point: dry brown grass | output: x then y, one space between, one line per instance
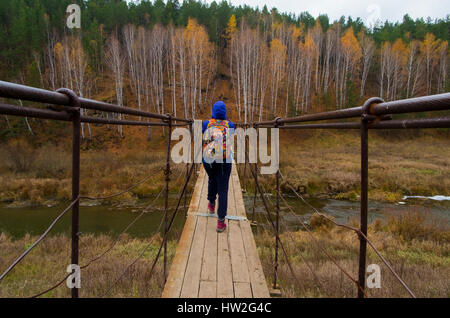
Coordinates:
37 175
320 163
47 264
417 225
422 260
327 163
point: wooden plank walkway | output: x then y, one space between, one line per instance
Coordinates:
211 264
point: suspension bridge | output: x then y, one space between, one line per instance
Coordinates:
211 264
207 263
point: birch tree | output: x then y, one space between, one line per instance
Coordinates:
199 52
115 61
277 57
442 74
69 68
351 56
317 35
411 66
309 53
330 40
429 48
142 71
157 54
368 50
131 49
393 67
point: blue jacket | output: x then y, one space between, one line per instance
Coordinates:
219 111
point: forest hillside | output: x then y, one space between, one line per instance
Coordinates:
178 57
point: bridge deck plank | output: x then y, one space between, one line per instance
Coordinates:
175 282
211 264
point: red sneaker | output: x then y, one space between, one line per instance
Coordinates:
221 226
211 208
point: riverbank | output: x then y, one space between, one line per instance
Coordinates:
326 164
42 176
322 164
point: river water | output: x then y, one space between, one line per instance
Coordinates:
111 219
343 211
94 219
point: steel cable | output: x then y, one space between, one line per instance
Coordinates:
323 249
43 235
119 193
102 254
145 210
273 226
320 285
358 232
163 240
318 244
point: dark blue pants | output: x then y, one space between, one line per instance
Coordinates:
218 179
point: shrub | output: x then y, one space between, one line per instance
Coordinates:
376 226
351 196
418 225
316 221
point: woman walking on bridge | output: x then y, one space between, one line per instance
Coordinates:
217 160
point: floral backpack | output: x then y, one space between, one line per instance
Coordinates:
216 130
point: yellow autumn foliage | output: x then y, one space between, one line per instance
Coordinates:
350 46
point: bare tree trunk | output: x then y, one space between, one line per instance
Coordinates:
115 60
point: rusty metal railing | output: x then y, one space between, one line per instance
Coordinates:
374 114
70 112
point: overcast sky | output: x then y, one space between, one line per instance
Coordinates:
368 10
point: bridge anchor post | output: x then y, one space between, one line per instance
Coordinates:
76 145
166 201
366 118
253 221
275 292
277 221
277 231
